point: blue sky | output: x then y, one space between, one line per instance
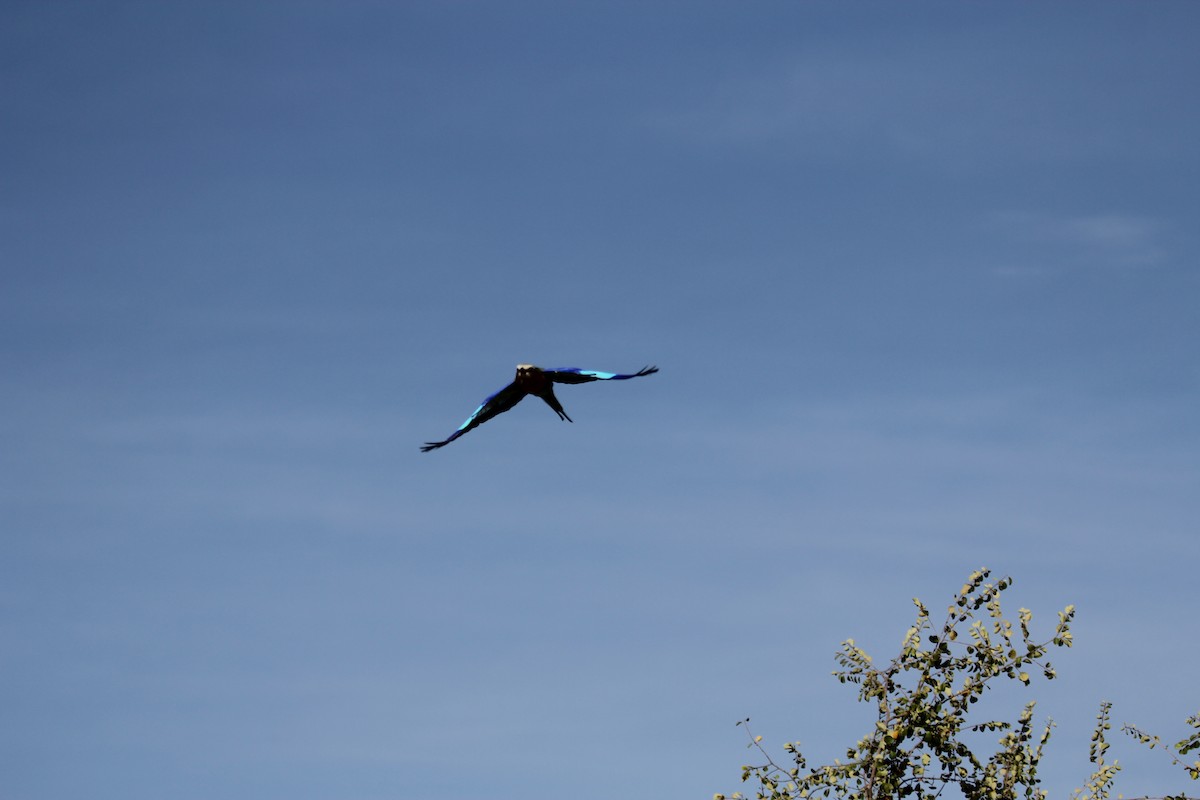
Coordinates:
921 280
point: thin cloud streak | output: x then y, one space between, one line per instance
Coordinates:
1054 243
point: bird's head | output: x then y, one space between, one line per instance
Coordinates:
524 370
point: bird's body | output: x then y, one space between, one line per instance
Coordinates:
531 380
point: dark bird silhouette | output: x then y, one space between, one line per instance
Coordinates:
539 383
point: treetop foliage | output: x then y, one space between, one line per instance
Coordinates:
922 742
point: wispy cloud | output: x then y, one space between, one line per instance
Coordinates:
1042 243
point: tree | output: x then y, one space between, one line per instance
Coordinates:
921 743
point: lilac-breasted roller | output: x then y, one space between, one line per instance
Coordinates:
539 383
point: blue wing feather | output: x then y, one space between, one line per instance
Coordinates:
577 375
477 411
492 405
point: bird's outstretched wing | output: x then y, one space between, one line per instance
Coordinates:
498 403
576 375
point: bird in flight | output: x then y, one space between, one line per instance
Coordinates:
539 383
